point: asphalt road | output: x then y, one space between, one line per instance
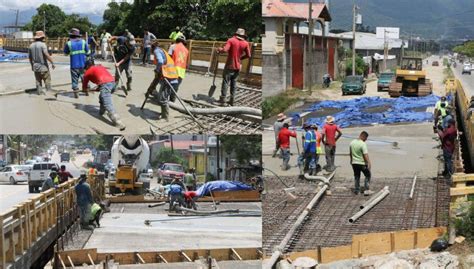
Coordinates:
466 80
11 195
28 113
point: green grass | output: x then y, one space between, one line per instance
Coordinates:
448 74
276 104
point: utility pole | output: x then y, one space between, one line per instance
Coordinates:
385 49
17 15
205 157
44 22
310 44
354 14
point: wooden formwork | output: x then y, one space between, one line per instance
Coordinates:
462 190
30 222
72 258
220 196
374 244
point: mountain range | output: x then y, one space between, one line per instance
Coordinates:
434 19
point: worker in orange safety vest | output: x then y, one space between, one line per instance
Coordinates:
179 53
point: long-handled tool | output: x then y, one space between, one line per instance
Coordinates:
213 87
147 95
117 70
211 60
300 160
182 103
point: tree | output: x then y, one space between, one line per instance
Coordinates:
361 67
166 155
56 22
114 17
245 147
465 49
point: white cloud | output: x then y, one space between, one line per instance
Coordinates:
96 7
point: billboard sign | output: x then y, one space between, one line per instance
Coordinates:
388 32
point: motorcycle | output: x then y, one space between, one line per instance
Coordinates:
326 81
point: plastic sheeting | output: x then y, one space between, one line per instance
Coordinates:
6 56
222 185
356 112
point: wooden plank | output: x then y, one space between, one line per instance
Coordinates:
336 253
403 240
461 191
427 235
371 244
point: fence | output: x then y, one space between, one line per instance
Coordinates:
202 55
374 244
30 227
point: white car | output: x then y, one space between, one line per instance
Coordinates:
14 173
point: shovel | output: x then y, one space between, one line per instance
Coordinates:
213 87
123 88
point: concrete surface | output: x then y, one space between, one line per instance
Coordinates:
11 195
123 230
416 151
29 113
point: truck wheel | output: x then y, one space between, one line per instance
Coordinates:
31 189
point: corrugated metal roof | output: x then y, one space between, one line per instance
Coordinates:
278 8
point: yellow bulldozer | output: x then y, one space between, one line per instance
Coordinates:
410 79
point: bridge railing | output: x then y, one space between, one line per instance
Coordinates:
29 222
202 55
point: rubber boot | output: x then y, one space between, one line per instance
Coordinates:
222 100
164 112
129 84
102 110
116 120
76 93
231 101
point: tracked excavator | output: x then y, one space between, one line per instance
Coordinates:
130 155
410 79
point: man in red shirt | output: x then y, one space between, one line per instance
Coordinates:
448 138
329 139
98 75
190 198
284 141
63 174
237 49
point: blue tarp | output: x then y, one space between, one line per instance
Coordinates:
6 56
402 109
222 185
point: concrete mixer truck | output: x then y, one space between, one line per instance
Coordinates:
130 155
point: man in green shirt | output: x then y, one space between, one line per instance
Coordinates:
174 35
189 181
360 162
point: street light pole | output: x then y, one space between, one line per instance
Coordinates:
354 10
310 44
44 22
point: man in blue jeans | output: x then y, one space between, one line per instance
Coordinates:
84 201
99 75
78 50
360 162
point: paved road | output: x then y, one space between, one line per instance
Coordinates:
28 113
11 195
466 80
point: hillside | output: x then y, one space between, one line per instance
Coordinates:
428 18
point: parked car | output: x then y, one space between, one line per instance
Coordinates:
435 63
38 175
384 80
354 85
466 69
30 162
14 174
65 157
169 171
2 163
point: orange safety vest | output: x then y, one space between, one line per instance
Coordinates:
91 171
168 70
318 143
180 58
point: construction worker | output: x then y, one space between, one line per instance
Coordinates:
51 181
64 175
448 139
281 119
189 180
93 44
96 213
331 133
174 35
190 198
441 113
78 50
359 156
39 55
179 53
438 105
123 53
319 150
284 140
92 170
166 74
237 49
104 44
309 149
176 194
101 77
148 37
84 201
